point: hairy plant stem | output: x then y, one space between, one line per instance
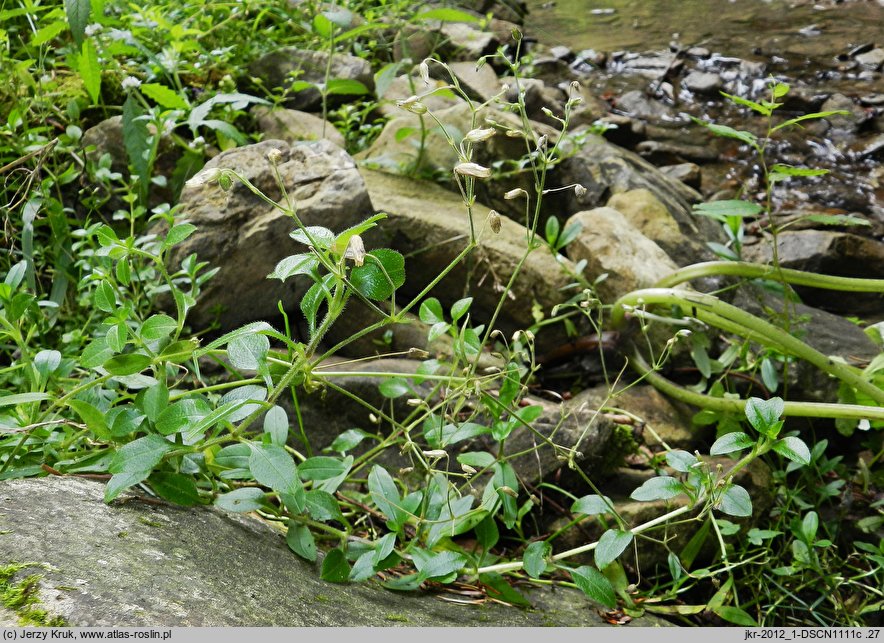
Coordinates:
730 405
759 271
710 309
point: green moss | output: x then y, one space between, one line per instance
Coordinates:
399 618
621 444
21 597
149 522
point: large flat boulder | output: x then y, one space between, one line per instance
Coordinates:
245 237
138 564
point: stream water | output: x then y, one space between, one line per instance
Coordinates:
663 61
801 31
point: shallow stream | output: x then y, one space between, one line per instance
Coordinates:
639 55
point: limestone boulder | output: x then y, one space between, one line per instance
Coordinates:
245 237
611 245
291 126
430 226
139 563
279 69
833 253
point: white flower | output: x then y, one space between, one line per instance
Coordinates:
130 82
515 193
92 29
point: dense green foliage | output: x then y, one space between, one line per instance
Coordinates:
98 379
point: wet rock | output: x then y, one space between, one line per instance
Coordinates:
701 82
828 333
666 151
290 125
651 65
844 125
610 244
687 173
698 53
133 564
605 169
562 53
278 69
872 148
832 253
465 42
431 223
638 104
245 238
873 59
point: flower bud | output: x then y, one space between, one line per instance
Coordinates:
494 221
579 190
478 135
204 176
425 72
467 469
515 193
274 156
435 453
413 105
508 491
355 250
472 169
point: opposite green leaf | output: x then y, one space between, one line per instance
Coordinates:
534 558
611 545
594 584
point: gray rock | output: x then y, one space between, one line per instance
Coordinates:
688 173
678 152
480 84
843 126
280 68
611 244
701 82
290 125
467 42
107 138
402 87
832 253
605 169
430 224
828 333
646 213
134 564
873 59
638 104
245 237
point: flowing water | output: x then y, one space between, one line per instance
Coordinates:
746 28
818 48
